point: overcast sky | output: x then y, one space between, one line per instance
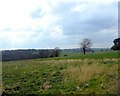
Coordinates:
57 23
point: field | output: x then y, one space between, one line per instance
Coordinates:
75 73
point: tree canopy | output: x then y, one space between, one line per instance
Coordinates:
116 45
85 44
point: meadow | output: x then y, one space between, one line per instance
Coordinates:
75 73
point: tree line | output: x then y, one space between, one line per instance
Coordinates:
10 55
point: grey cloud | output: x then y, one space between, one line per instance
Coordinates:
75 25
37 13
7 29
88 24
97 17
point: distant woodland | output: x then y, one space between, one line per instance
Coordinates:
10 55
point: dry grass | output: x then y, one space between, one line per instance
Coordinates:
85 71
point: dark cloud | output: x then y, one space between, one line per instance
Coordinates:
95 18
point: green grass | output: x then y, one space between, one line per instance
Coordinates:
74 74
88 55
96 55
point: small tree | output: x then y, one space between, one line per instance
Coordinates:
56 51
85 44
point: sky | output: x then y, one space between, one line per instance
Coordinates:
38 24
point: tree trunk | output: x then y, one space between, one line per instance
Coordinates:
84 50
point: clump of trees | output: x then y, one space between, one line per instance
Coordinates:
116 45
10 55
85 45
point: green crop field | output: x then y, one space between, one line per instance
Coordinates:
93 73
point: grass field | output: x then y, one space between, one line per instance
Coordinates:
93 73
89 55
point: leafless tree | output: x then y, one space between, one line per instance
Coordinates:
85 44
56 51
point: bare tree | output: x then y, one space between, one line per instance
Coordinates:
56 51
85 44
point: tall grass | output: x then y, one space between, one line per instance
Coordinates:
85 72
60 76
